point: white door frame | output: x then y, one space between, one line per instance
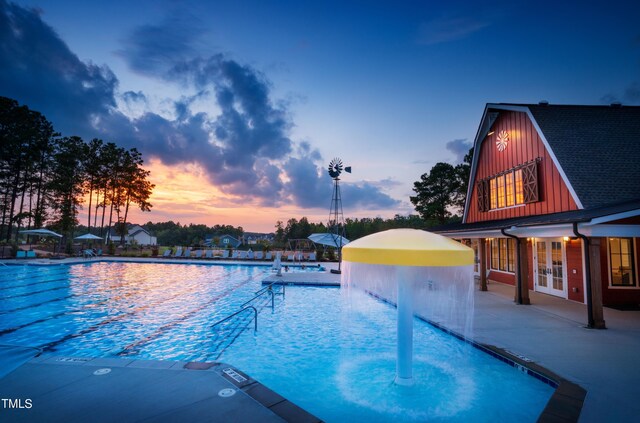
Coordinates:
549 267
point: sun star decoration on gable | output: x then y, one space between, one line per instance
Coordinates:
502 139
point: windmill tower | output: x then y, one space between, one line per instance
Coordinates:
336 217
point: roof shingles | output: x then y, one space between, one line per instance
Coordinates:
598 147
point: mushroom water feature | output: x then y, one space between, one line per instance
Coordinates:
423 274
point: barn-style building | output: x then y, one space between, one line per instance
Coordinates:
554 203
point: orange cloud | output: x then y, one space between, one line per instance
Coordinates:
183 194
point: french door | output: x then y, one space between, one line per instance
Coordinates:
549 271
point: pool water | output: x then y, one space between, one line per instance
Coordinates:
330 353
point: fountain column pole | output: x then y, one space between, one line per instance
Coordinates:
404 363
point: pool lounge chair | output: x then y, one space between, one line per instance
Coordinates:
21 254
198 254
187 252
208 254
167 253
312 257
31 254
259 255
242 255
225 254
269 256
291 257
178 253
250 254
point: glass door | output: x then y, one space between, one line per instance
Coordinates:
549 267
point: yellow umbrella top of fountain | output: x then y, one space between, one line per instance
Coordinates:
408 247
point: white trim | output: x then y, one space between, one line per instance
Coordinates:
623 231
612 217
542 231
508 207
555 160
552 231
489 233
549 255
634 267
474 164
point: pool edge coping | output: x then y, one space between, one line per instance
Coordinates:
567 400
568 397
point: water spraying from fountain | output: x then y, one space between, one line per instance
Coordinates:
421 273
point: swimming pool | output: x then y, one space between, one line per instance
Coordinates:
332 355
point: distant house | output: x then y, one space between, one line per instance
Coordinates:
553 203
222 241
257 238
136 234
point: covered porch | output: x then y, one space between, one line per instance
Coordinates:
571 255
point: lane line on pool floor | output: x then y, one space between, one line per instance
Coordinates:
163 329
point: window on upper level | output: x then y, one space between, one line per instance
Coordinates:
513 187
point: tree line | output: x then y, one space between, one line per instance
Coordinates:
45 177
354 228
171 233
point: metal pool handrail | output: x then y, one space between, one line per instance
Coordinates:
270 286
270 291
255 317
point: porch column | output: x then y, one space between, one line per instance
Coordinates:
523 271
482 256
595 269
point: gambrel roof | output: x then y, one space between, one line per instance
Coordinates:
596 149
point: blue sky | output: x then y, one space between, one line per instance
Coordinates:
238 106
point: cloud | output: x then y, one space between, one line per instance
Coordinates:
134 97
630 95
311 186
367 195
459 147
442 30
39 69
387 183
151 49
421 162
226 122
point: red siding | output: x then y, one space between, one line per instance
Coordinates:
574 270
524 145
508 278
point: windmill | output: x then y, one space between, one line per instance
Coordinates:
336 217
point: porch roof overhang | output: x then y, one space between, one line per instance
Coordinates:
597 222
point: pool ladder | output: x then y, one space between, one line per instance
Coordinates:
244 307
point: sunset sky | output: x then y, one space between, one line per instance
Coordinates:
238 106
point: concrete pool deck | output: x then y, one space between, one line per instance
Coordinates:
67 389
550 332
